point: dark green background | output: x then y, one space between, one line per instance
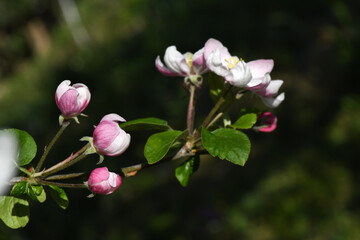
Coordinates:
301 181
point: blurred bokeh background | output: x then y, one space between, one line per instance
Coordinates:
300 182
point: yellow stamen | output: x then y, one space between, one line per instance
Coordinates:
232 62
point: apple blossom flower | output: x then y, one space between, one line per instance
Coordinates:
261 82
266 122
72 100
187 65
218 59
108 138
101 181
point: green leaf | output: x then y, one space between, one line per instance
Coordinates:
145 124
37 193
159 144
14 212
185 170
26 146
245 121
217 87
228 144
59 196
19 189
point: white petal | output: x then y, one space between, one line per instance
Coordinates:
112 179
215 64
239 75
62 88
271 89
113 117
119 145
173 60
83 94
260 67
273 102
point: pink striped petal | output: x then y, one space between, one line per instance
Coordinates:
68 104
260 67
164 70
113 117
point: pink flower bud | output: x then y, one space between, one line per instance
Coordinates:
101 181
72 100
109 139
266 122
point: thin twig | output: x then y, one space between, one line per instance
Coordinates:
48 148
191 110
67 162
65 176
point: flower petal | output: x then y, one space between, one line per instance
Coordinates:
62 88
164 70
239 75
119 145
98 175
174 61
260 67
199 63
258 83
213 44
215 64
271 89
84 95
105 134
273 102
68 104
113 117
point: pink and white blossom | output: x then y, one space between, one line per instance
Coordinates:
218 59
266 122
178 64
261 82
101 181
72 100
260 71
108 138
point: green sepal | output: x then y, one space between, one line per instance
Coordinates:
59 196
14 211
143 124
185 170
228 144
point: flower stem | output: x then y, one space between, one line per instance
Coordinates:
132 170
215 119
216 107
38 181
65 176
65 185
51 144
191 110
67 162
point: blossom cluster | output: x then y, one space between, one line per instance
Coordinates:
253 76
108 138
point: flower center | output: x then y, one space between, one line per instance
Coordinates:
231 62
